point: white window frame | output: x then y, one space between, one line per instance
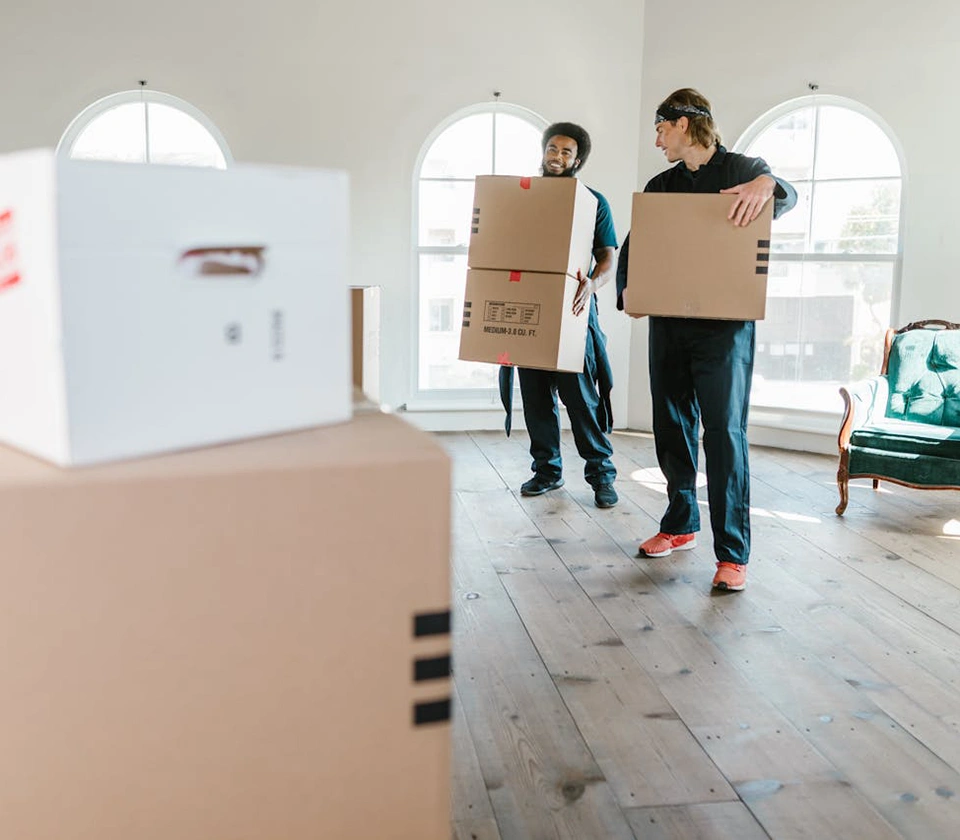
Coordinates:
155 97
449 398
811 419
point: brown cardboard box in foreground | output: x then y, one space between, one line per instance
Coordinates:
687 260
247 641
524 319
365 312
532 224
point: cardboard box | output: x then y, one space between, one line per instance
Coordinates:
540 224
365 306
687 260
163 307
245 641
524 319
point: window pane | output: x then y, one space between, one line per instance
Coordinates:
464 150
825 319
518 146
824 327
851 145
118 134
443 279
177 138
446 210
856 217
787 145
441 315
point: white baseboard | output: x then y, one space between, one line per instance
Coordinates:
469 420
819 443
811 433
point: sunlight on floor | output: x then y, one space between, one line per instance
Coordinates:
885 489
787 517
951 528
633 434
652 478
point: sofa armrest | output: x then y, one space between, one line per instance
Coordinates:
864 402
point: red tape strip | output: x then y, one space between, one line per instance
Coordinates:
514 276
503 358
7 282
525 183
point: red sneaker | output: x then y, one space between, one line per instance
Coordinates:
730 576
663 544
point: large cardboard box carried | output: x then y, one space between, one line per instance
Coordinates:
245 641
151 308
524 319
687 260
541 224
365 312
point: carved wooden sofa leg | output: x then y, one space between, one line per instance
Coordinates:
843 442
843 478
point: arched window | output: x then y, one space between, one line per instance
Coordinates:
836 263
145 126
497 139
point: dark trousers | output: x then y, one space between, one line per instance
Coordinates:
702 370
578 391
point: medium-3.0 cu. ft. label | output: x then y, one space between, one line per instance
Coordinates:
502 317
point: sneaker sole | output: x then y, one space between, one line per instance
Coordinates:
684 547
541 492
605 506
725 587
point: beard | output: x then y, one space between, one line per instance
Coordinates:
566 173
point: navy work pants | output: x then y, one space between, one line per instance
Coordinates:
578 391
701 370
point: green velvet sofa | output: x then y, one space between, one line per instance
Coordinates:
904 425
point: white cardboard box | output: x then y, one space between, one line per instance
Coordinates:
151 308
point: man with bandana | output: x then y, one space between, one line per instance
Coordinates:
701 369
586 395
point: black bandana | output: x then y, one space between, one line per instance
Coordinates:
669 113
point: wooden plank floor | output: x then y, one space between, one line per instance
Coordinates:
601 696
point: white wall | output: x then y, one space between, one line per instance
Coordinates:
351 85
360 86
747 56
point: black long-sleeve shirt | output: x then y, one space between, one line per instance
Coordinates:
724 170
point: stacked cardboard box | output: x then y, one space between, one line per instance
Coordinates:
688 260
157 308
246 640
249 640
529 238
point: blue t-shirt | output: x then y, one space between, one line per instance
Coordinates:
604 234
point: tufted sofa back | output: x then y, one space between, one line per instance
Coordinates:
923 372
